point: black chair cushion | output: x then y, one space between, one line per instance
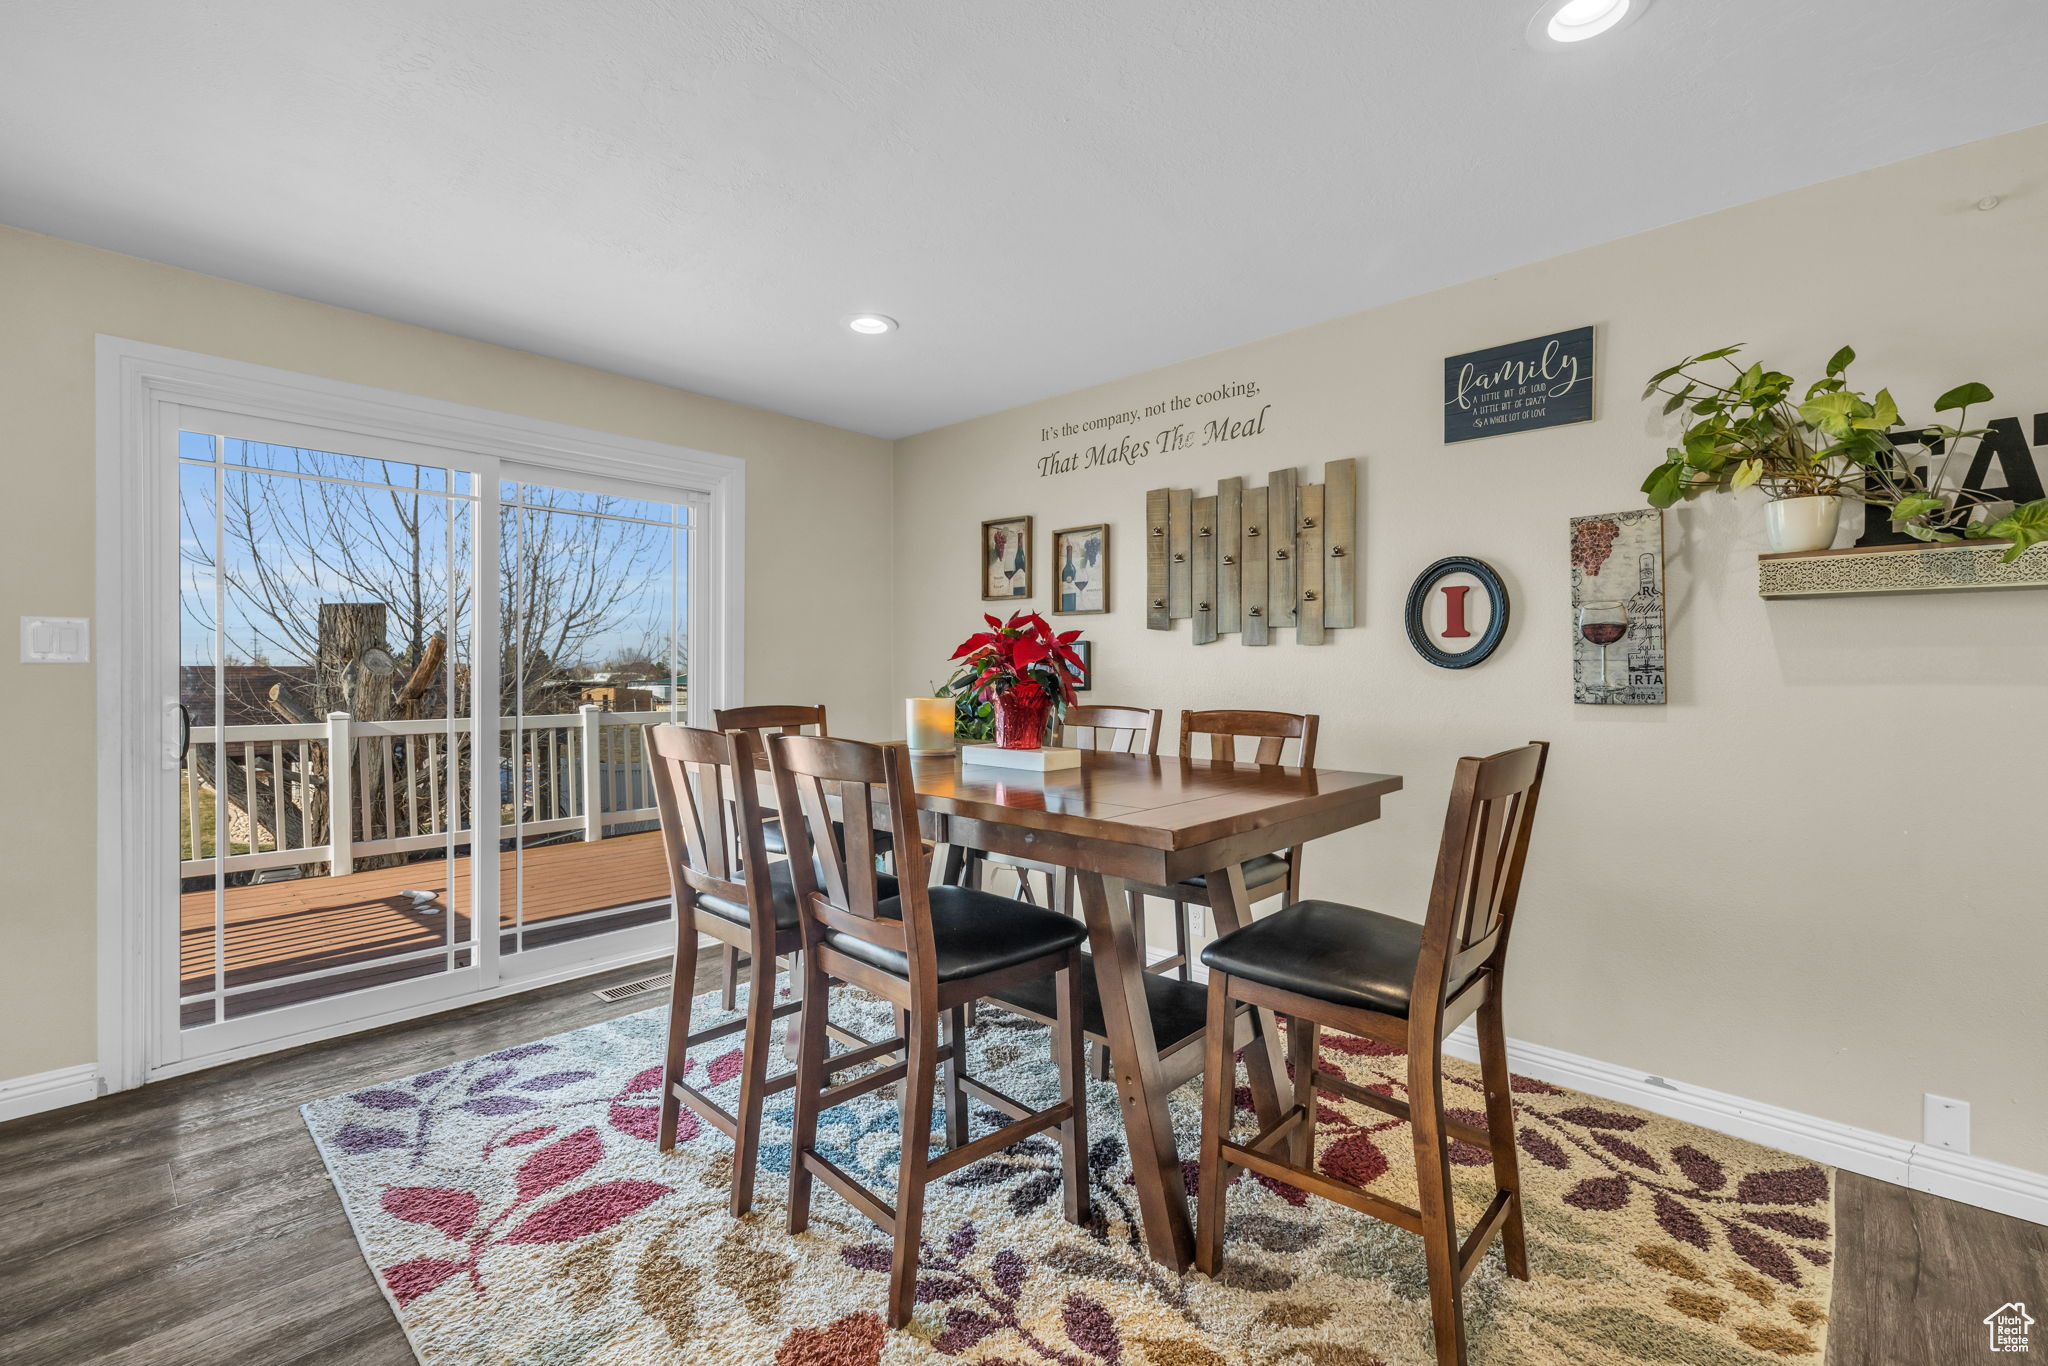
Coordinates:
974 932
783 888
1257 872
1335 953
772 840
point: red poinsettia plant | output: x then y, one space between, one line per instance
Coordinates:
1024 669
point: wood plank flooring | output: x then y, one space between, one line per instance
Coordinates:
191 1223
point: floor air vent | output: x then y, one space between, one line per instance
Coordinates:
626 991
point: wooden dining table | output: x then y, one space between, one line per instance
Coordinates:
1121 818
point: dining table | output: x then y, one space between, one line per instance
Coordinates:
1118 819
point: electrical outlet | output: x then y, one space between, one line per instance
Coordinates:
1945 1123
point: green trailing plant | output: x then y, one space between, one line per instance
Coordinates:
974 717
1747 428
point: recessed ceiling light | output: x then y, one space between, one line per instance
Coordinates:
1566 23
871 324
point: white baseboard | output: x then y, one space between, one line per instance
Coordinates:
23 1096
1954 1176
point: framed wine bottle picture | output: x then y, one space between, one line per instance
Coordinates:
1006 559
1080 566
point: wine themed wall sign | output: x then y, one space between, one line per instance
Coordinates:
1541 382
1249 561
1618 608
1457 612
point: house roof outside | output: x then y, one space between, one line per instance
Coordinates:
245 692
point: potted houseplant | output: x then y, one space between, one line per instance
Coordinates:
1811 454
1021 669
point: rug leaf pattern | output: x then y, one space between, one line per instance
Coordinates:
515 1209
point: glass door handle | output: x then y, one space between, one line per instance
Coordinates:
177 734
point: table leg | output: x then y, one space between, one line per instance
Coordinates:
1264 1057
1148 1130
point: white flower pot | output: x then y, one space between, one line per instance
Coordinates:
1802 523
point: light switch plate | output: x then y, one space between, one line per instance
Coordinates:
1945 1123
56 640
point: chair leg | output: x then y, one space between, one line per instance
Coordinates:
810 1081
1102 1067
910 1178
1067 1046
1219 1086
728 993
1500 1130
756 1044
1301 1057
955 1066
1439 1215
1181 943
683 981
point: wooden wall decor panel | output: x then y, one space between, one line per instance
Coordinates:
1252 558
1180 568
1281 510
1229 551
1308 550
1205 571
1157 616
1340 543
1248 560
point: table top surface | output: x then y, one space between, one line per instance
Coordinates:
1162 802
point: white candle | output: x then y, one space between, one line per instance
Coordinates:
930 723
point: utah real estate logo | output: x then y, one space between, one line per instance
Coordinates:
2008 1326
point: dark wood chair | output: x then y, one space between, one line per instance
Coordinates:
928 951
1267 876
774 718
1119 730
724 887
1406 985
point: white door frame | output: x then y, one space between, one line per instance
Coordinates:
139 387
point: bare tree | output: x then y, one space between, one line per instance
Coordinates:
569 574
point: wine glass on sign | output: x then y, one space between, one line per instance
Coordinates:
1603 623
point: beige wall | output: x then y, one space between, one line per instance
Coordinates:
807 485
1814 878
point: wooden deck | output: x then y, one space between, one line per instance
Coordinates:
281 929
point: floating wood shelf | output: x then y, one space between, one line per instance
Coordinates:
1899 569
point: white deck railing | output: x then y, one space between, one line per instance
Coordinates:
338 791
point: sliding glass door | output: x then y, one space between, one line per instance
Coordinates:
394 660
593 643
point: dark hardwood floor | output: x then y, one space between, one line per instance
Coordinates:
191 1223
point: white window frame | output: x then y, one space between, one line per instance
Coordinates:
140 387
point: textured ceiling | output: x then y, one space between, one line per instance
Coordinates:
1047 193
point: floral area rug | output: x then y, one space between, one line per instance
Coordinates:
515 1209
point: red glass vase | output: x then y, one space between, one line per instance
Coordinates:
1020 717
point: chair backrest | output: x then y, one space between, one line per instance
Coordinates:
1478 868
710 814
1272 729
1123 730
836 883
771 719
